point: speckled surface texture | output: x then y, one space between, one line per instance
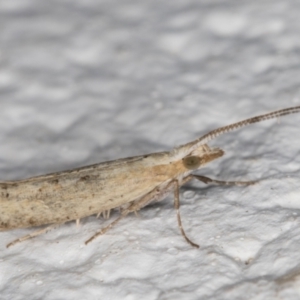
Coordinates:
88 81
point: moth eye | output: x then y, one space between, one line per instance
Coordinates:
192 162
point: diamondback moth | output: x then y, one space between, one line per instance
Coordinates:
128 183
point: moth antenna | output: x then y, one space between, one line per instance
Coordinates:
219 131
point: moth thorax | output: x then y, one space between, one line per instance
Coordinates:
192 162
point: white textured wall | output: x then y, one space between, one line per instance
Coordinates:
87 81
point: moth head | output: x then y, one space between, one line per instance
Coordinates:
201 156
192 162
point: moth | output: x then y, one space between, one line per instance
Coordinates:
127 183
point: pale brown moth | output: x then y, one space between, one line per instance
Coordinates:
128 183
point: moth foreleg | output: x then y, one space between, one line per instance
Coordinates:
207 180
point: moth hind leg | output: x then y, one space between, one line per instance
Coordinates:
31 235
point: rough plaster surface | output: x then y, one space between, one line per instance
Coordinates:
87 81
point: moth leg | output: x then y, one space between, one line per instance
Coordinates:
105 213
174 184
103 230
33 234
220 182
77 222
177 206
134 207
205 180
